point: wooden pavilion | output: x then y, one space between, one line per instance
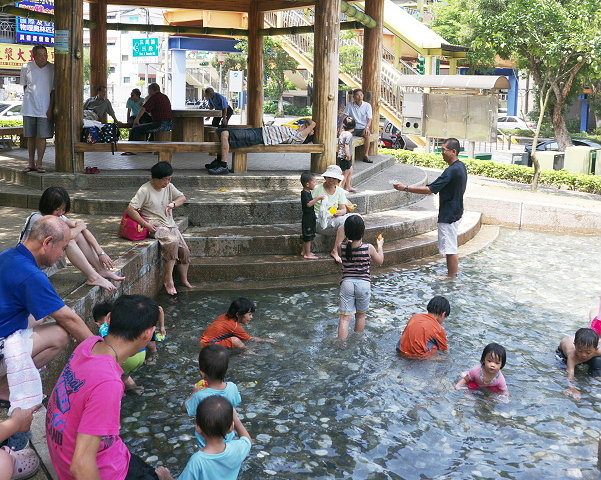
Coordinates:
69 25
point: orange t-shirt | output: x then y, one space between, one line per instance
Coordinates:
223 327
422 336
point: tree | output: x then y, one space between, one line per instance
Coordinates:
556 41
276 62
232 61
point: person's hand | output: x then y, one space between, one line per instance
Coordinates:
399 186
366 132
269 340
163 473
136 123
572 392
207 119
22 418
106 261
151 228
50 115
339 213
163 331
348 157
169 209
224 122
380 241
321 198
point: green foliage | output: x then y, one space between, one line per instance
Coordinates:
272 108
272 88
351 55
232 61
514 173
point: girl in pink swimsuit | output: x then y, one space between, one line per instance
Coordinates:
488 373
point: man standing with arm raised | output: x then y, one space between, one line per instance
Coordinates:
451 185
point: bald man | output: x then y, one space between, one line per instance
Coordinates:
25 290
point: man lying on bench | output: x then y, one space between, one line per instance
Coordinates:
246 137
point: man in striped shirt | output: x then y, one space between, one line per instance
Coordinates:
246 137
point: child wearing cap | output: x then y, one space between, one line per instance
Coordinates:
331 223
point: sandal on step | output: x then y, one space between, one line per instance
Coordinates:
30 169
40 170
26 463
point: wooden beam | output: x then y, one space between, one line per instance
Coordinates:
69 84
372 63
255 66
98 48
325 82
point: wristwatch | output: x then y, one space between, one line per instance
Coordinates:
407 188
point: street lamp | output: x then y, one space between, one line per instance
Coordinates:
220 59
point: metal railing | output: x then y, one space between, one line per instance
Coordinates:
390 93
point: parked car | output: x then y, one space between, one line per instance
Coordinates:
11 110
391 137
508 122
552 145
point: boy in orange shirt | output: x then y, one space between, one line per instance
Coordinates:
424 334
226 329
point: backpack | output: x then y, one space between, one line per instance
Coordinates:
109 133
90 135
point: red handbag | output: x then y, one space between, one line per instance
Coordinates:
131 229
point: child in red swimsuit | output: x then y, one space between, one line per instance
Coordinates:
226 329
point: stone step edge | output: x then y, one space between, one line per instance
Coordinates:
468 228
482 239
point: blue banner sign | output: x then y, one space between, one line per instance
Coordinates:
30 30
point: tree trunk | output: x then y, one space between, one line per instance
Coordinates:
280 105
544 99
559 125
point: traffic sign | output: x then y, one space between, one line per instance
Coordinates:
145 47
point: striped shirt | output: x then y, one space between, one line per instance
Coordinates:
358 266
276 134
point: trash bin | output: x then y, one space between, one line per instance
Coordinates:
520 158
580 159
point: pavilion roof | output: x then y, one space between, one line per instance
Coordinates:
221 5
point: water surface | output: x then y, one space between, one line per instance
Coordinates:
318 411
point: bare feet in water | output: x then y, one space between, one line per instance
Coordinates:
101 282
111 275
170 287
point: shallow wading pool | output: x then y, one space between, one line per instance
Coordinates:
317 411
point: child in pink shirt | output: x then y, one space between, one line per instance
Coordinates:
488 373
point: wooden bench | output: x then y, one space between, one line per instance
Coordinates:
358 146
166 150
13 131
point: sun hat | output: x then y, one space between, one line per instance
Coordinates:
333 171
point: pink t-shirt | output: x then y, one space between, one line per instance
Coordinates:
87 399
475 377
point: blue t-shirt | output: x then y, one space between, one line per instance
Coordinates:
24 290
451 186
222 466
230 392
218 102
135 107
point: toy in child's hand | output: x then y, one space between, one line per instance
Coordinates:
332 210
159 337
380 237
350 207
201 384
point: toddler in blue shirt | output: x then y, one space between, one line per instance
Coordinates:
215 418
213 362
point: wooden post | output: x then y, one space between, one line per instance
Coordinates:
372 63
98 46
255 66
325 82
68 73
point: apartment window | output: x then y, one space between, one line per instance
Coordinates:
125 79
111 69
124 58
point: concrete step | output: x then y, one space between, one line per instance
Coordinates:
285 239
11 171
249 268
233 206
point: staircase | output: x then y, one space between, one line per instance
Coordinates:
244 229
300 47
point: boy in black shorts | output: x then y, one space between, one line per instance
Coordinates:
343 157
308 224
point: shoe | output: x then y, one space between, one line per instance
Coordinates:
366 159
26 463
214 164
18 441
219 171
30 169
